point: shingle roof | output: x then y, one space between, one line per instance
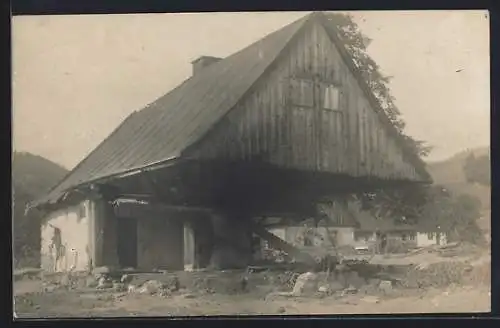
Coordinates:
169 125
165 128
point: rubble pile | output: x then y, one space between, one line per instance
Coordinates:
479 275
439 274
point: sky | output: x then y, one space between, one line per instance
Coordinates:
75 78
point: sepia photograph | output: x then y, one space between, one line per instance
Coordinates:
251 163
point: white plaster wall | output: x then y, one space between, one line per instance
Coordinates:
75 237
345 235
424 240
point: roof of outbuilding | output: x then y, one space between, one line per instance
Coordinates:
165 128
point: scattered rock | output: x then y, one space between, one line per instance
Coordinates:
132 288
385 286
350 290
324 289
306 284
104 283
126 278
164 293
172 284
151 287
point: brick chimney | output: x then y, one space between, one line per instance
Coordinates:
202 62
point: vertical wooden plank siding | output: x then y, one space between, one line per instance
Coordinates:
271 123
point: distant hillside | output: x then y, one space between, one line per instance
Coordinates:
450 173
32 175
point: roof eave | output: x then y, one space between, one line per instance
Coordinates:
48 200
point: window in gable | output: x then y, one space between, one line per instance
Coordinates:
302 92
331 99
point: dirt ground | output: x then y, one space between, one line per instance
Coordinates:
31 303
439 284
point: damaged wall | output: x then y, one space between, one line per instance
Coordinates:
66 239
160 244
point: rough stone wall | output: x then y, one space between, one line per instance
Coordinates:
65 239
160 244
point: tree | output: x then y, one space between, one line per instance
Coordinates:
477 169
356 44
429 206
32 176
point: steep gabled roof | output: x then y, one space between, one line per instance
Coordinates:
168 126
332 31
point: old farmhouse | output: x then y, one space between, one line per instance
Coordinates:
266 131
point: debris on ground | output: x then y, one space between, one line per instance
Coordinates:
306 284
385 286
151 287
436 275
351 282
104 283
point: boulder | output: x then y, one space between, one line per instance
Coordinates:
306 284
385 286
104 283
151 287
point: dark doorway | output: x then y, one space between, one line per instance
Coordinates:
127 242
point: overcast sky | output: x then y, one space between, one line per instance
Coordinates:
77 77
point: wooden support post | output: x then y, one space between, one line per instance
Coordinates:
232 242
189 247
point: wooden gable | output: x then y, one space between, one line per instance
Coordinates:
308 112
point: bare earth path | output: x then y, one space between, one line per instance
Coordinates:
92 304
